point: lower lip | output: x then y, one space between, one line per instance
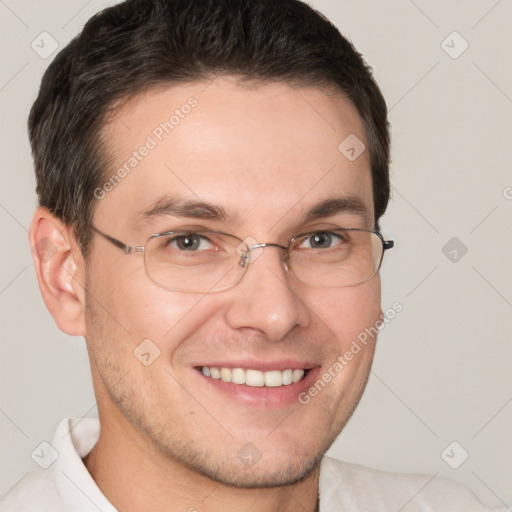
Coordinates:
269 397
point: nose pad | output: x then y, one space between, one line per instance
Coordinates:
285 259
250 250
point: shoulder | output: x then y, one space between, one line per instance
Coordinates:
36 491
361 488
65 484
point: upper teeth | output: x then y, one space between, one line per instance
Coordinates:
255 378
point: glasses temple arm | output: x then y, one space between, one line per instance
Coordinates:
126 248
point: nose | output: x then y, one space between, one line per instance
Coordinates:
264 299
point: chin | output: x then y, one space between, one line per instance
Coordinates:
262 474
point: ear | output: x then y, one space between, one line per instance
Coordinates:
60 271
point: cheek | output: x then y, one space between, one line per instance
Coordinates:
348 311
165 317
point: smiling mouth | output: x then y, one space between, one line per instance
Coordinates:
255 378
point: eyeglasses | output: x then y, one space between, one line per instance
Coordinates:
210 261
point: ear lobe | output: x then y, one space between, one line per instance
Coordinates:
60 271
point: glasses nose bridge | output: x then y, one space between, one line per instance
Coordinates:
249 256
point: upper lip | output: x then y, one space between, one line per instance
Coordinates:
281 364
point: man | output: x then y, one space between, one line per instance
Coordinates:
211 175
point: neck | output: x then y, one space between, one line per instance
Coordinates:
134 477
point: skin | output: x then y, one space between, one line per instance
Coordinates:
169 439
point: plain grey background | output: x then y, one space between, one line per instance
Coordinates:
442 372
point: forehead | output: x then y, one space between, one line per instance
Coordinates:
258 152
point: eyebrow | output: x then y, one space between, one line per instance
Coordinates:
203 210
179 207
334 206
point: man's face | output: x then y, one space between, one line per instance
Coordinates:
267 156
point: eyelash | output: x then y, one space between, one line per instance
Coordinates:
310 234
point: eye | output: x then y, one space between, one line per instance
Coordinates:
190 242
321 240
